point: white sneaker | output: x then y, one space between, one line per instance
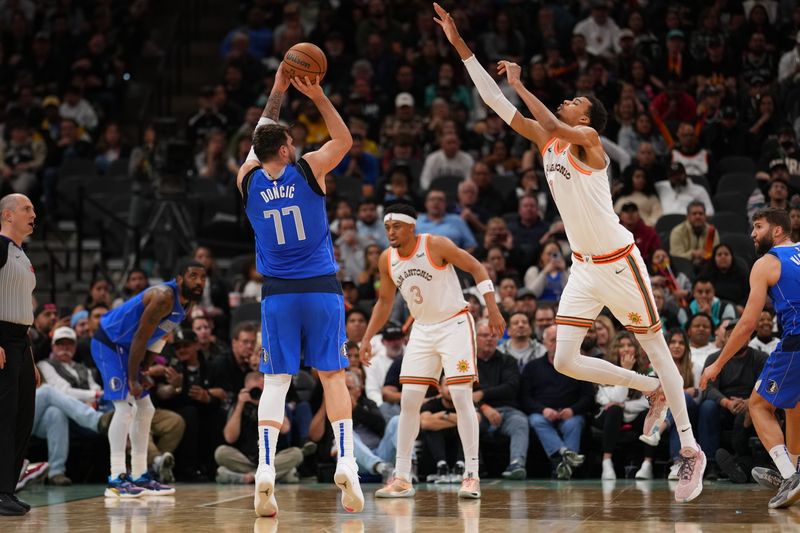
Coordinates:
608 470
652 439
346 478
673 472
646 471
264 502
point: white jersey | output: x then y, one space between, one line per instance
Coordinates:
583 197
432 293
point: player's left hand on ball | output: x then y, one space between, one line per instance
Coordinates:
496 323
308 87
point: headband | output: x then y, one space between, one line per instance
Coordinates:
399 217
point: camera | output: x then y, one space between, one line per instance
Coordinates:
255 393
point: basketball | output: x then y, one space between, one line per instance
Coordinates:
305 59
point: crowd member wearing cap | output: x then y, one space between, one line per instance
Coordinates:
727 136
404 121
678 191
725 407
647 240
675 61
63 373
694 239
80 323
45 317
18 373
386 349
520 345
184 386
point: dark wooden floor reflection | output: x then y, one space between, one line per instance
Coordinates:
619 507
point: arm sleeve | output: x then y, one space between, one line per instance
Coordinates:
489 90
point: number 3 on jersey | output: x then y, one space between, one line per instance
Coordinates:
293 210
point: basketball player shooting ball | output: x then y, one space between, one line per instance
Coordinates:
608 268
443 336
775 274
302 308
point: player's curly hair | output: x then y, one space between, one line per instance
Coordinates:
598 116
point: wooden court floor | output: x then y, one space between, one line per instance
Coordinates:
594 506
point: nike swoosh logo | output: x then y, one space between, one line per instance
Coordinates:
620 270
420 254
461 322
685 430
395 263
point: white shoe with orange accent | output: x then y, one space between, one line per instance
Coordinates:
264 502
470 487
396 488
346 478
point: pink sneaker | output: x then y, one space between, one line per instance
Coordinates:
690 474
657 412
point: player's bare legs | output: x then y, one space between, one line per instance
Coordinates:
340 412
793 433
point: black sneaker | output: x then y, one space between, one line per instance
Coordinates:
457 473
8 507
515 470
24 505
788 493
727 463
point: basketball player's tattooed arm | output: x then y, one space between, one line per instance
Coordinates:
158 303
331 153
444 251
766 272
382 308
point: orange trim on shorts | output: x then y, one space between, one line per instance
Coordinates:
649 304
574 321
414 380
610 257
457 380
577 165
547 145
470 321
428 255
416 246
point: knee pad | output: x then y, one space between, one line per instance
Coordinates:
272 405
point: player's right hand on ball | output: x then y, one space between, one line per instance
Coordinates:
365 352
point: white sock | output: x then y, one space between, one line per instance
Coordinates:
671 383
343 436
570 362
408 427
781 459
140 436
468 429
271 409
118 431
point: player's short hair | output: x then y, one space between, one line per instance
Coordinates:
775 217
268 139
185 264
598 116
401 208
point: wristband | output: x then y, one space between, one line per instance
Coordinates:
485 286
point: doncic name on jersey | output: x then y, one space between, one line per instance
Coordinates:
279 191
410 273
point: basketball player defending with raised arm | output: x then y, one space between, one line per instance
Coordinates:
608 268
302 308
124 345
775 274
443 336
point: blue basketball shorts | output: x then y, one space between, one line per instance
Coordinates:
308 325
779 382
113 366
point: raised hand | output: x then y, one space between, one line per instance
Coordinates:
311 89
281 80
511 70
446 22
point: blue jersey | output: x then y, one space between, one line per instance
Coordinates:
119 325
290 223
786 293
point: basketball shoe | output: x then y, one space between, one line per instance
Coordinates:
396 488
788 493
264 501
470 487
767 477
346 478
690 474
151 487
122 487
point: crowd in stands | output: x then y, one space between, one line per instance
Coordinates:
703 130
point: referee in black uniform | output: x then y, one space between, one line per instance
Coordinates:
18 374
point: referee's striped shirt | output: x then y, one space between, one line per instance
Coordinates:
17 281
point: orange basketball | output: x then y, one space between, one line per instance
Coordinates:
305 59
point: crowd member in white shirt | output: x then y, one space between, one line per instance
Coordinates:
449 160
600 31
765 339
62 373
789 65
699 330
676 192
386 349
